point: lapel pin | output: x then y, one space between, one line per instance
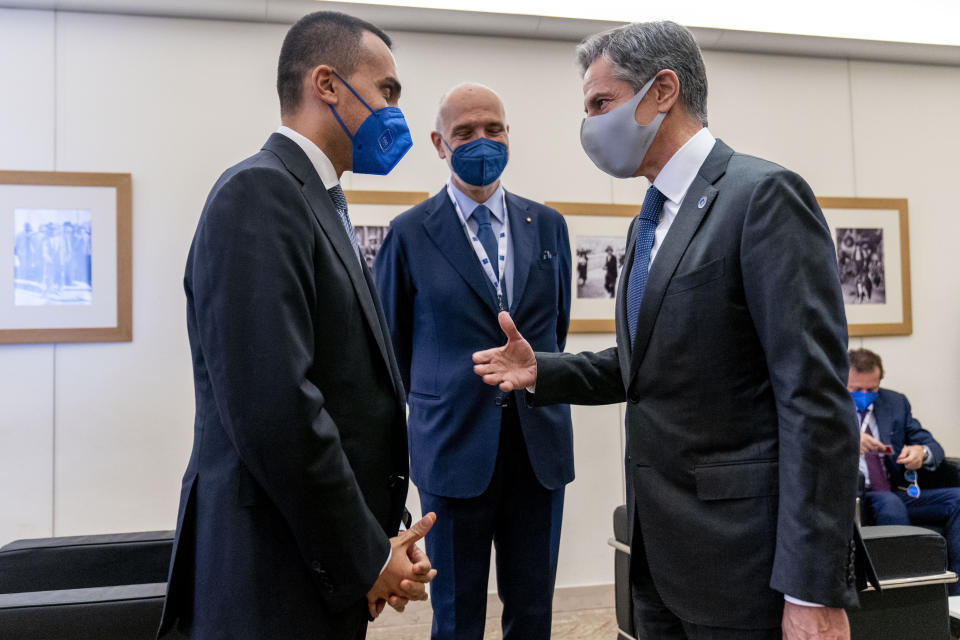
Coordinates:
546 255
529 219
702 203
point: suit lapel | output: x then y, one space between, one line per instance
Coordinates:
523 244
696 204
315 193
442 225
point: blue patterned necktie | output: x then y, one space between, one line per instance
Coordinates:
486 236
340 202
649 217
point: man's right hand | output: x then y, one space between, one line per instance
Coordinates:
407 572
869 444
512 366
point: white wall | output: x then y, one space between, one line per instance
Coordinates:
94 438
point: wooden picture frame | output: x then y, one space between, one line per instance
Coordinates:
65 238
371 213
872 240
594 228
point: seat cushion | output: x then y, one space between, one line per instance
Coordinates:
79 562
905 552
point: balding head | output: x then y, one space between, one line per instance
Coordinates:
467 96
467 112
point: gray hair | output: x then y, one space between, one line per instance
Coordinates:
640 50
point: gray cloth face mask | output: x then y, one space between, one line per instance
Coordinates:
615 141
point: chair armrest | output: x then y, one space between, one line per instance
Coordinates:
947 474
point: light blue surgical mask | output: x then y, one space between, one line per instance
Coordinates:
863 399
614 140
479 162
382 139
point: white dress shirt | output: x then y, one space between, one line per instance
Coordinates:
318 158
675 178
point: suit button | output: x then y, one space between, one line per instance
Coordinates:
634 398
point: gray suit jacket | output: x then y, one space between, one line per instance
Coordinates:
741 461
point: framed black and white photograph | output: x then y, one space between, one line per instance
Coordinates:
871 236
371 213
65 238
598 239
598 264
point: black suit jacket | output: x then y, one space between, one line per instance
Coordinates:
741 462
298 470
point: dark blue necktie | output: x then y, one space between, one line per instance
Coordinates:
649 217
340 202
486 236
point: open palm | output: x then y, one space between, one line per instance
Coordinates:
512 366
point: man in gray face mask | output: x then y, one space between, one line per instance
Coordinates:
741 456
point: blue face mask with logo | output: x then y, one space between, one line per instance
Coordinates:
479 162
863 399
382 139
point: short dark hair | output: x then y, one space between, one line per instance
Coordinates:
322 37
865 361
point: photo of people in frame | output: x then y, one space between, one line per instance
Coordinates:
860 262
599 260
52 257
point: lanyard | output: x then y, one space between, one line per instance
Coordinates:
865 423
478 247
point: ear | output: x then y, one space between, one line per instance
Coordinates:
321 85
437 141
666 90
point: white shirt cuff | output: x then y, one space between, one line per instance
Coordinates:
802 603
389 555
532 388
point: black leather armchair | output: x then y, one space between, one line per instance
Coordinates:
109 587
911 565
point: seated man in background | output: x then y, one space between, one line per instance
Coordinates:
892 442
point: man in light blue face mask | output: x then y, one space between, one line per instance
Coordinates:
736 411
493 469
294 493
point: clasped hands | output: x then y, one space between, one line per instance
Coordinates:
407 573
911 456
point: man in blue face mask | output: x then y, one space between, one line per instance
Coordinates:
492 468
892 445
293 495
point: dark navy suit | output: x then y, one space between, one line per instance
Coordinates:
491 467
940 507
298 472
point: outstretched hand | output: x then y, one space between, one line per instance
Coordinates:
407 572
512 366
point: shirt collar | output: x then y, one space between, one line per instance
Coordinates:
677 175
468 204
321 163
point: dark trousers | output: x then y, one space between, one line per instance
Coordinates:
522 520
652 619
937 507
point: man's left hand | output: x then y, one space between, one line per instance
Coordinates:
814 623
911 456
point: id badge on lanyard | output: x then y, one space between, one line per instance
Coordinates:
478 247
